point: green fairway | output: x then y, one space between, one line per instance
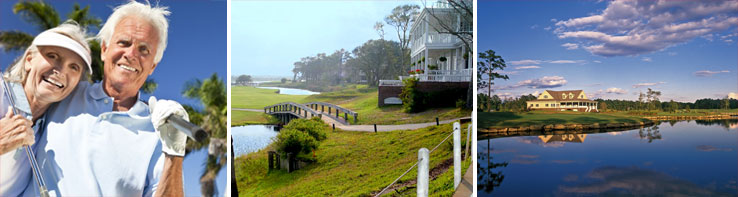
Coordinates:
258 98
510 119
352 164
358 98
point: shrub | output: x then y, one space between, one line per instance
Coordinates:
460 103
313 127
295 141
412 99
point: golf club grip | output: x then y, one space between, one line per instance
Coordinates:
193 131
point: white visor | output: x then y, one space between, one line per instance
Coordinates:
50 38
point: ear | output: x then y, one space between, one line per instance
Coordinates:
27 64
153 68
103 49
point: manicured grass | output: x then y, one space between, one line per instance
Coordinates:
258 98
358 98
351 164
510 119
248 117
693 112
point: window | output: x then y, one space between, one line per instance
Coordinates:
571 95
531 105
545 96
563 95
546 105
536 105
581 96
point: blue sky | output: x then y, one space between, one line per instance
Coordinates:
613 49
269 36
196 49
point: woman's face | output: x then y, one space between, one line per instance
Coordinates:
53 72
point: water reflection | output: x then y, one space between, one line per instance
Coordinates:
487 178
687 158
629 181
291 91
252 138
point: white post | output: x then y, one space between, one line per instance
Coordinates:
457 154
423 172
468 141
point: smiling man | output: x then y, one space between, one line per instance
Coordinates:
103 140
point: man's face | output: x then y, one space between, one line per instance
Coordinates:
129 57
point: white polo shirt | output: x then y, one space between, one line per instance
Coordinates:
89 150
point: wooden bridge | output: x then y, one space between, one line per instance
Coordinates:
309 110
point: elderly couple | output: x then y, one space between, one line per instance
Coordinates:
93 139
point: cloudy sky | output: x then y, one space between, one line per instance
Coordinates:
267 42
614 49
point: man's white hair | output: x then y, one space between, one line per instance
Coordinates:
155 15
17 73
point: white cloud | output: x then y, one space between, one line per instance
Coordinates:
647 84
614 90
547 28
733 95
565 61
597 61
553 20
627 27
509 72
707 73
646 59
570 46
533 27
543 82
520 62
526 67
672 53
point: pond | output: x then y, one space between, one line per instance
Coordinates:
252 138
291 91
693 158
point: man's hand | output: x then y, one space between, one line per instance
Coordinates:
173 141
15 131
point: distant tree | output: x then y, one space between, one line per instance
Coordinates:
243 79
673 106
488 63
641 96
603 106
653 99
379 27
284 80
377 59
401 18
726 102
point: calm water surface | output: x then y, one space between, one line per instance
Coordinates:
291 91
252 138
693 158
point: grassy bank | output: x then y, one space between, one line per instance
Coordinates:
359 98
693 112
510 119
350 164
248 117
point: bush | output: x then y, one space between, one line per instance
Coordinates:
460 103
412 99
295 141
313 127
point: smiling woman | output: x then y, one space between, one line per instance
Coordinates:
48 71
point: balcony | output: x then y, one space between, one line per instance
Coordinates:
464 75
434 40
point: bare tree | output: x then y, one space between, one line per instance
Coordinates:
379 27
401 18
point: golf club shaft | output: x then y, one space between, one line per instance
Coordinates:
193 131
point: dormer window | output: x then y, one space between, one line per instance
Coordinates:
571 95
563 95
545 96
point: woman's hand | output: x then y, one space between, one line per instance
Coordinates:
15 131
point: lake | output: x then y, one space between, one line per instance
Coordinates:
693 158
291 91
252 138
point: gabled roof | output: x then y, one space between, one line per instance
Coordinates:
557 94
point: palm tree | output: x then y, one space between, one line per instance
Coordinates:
44 16
212 94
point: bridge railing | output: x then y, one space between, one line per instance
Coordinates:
334 108
293 108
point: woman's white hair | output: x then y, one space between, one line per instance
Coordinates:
17 73
155 15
